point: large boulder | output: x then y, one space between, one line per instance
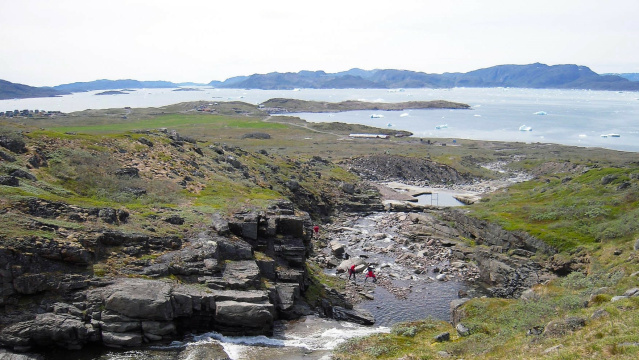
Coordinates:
337 248
141 299
241 318
359 263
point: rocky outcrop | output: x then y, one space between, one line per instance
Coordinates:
404 169
486 233
221 286
13 143
508 276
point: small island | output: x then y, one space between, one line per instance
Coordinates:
113 92
187 89
279 106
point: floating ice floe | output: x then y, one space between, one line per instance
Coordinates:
525 128
443 126
377 116
610 135
540 113
403 115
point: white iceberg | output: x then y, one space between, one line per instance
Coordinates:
525 128
540 113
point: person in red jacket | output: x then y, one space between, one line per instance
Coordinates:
351 272
370 274
316 230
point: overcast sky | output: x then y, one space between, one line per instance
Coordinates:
46 43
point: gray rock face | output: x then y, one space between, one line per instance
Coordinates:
508 276
456 311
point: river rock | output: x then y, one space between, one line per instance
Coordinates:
443 337
362 317
337 248
346 264
209 351
119 340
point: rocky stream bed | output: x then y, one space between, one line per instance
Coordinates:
244 278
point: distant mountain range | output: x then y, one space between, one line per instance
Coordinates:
537 76
114 84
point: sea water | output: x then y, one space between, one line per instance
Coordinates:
569 117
